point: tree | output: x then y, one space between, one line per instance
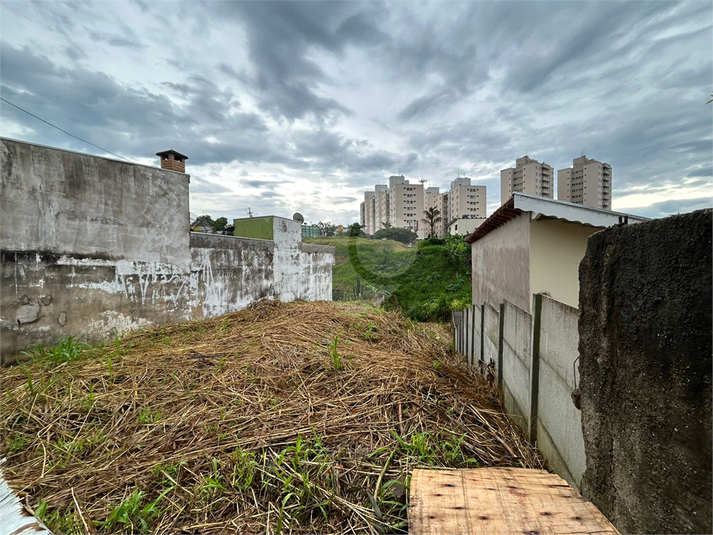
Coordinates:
386 224
327 229
355 230
433 216
220 224
203 221
402 235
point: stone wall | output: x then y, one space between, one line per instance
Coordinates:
645 345
92 247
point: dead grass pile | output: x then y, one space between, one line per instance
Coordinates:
299 417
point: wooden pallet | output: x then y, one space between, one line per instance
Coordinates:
499 501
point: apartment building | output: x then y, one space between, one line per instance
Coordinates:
466 200
438 201
368 212
528 176
587 182
406 205
381 206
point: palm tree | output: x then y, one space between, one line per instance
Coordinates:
433 216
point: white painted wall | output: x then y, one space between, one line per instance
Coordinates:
556 249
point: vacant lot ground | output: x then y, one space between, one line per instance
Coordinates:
299 417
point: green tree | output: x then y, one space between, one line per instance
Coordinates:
402 235
355 230
327 229
433 216
220 224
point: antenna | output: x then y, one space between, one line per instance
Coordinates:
250 214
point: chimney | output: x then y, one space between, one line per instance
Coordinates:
172 160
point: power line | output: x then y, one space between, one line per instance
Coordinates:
58 128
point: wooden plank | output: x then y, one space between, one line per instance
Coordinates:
500 500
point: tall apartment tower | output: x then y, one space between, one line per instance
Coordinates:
466 200
528 176
439 201
367 211
406 205
587 182
381 206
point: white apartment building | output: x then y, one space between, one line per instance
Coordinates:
381 206
587 182
439 201
368 212
466 200
406 205
528 176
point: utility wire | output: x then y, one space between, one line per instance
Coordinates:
58 128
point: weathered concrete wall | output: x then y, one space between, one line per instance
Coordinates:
477 333
92 247
645 345
559 424
517 329
229 273
501 265
61 202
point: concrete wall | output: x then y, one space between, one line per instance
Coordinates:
61 202
645 345
516 359
93 247
501 265
559 423
534 367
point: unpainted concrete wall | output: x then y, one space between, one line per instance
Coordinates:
509 336
61 202
94 247
559 423
645 346
517 329
501 265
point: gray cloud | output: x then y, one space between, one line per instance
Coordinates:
341 95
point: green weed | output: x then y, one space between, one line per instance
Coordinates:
132 514
66 350
334 357
147 416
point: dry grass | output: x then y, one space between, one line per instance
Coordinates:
299 417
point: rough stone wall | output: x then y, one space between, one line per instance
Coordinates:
645 365
92 247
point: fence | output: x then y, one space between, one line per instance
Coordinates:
534 357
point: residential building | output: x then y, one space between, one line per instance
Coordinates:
464 226
367 212
533 245
437 201
587 182
381 206
406 205
466 200
528 176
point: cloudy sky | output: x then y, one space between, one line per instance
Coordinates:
301 106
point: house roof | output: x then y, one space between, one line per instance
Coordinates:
550 208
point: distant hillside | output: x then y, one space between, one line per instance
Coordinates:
425 282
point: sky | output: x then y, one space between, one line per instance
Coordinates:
286 107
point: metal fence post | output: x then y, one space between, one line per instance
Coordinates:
501 339
535 366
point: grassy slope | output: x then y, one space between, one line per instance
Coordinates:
425 283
